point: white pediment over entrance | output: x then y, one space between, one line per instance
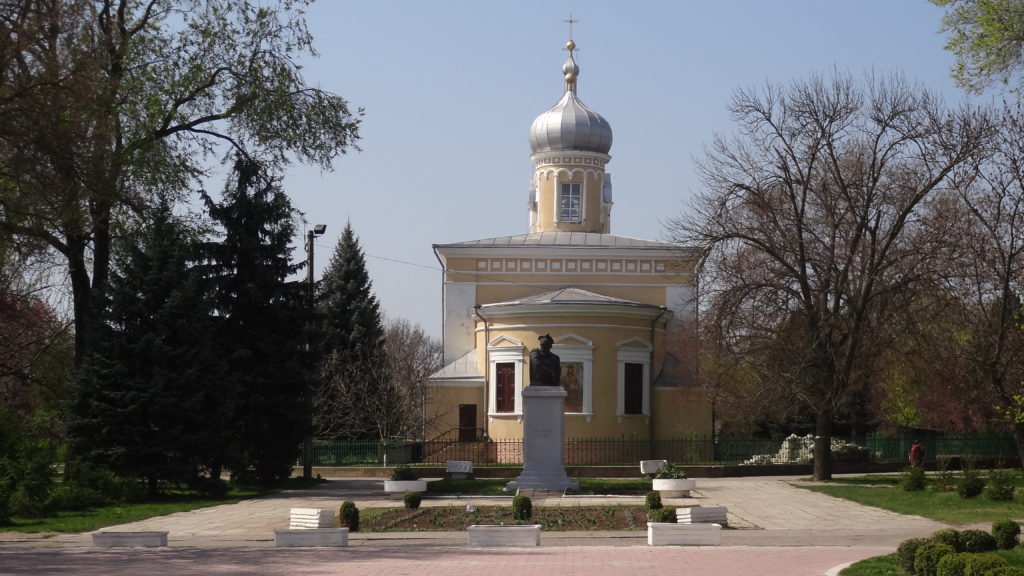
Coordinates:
503 341
634 344
571 339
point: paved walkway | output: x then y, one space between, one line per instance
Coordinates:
780 530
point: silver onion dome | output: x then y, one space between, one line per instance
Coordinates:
570 125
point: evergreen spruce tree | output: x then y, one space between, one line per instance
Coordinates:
148 403
352 344
261 331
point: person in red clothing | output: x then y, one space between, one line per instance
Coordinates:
916 454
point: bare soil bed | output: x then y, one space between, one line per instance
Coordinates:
554 518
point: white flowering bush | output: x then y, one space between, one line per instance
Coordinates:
800 450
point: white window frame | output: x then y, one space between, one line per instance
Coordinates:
633 351
583 354
497 355
575 189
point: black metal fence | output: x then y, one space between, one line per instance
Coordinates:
689 451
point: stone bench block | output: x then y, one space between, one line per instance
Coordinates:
459 469
311 518
670 534
651 466
489 535
703 515
312 537
129 539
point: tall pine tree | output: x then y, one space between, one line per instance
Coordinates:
149 402
261 331
352 341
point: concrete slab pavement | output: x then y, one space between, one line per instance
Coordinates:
780 529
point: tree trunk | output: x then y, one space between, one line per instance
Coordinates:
1018 439
823 446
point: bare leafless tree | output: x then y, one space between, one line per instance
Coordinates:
395 409
985 269
803 225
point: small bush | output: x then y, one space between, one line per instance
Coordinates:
670 471
1000 485
663 515
74 496
412 500
403 472
952 565
943 475
847 452
977 541
948 536
1006 571
522 507
906 552
207 486
970 484
1005 532
349 515
927 557
653 500
912 478
982 564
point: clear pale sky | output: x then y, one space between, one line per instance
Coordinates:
450 89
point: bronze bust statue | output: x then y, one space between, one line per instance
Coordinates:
545 367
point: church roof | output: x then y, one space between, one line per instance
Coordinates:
567 296
463 368
562 239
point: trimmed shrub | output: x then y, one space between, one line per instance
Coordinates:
912 478
906 552
977 541
943 475
205 485
663 515
1005 532
1000 485
1006 571
522 507
403 473
74 496
982 564
970 484
948 536
412 500
349 516
653 500
952 565
926 559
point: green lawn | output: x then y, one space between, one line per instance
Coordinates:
930 503
886 565
120 513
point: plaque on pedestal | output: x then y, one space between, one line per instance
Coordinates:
543 440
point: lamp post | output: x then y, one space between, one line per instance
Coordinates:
307 445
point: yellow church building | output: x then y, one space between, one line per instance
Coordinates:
618 308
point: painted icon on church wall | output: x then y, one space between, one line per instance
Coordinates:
572 376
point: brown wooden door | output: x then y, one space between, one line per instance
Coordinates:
467 422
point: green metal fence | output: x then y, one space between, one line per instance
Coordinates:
689 451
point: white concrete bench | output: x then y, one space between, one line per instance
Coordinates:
491 535
651 466
671 534
311 537
310 518
129 539
458 469
703 515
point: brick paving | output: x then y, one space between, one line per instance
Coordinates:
780 530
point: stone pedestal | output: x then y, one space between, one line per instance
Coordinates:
543 440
